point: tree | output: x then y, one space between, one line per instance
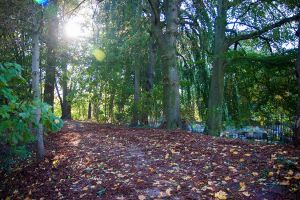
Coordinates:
222 44
166 41
52 49
36 83
297 125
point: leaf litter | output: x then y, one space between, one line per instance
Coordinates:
90 161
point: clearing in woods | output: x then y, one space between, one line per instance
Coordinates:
90 161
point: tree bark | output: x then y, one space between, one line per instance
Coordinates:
167 45
297 124
135 110
90 111
66 106
52 40
36 88
216 94
111 105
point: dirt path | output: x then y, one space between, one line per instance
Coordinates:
89 161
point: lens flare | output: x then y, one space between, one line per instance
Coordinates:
41 2
99 54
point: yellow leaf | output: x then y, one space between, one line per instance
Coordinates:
141 197
297 176
232 169
254 173
151 169
290 172
168 191
167 156
221 195
270 174
227 178
285 183
247 154
140 180
288 177
246 194
55 163
173 151
85 188
186 178
242 186
242 160
235 152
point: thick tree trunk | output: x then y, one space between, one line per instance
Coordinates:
297 124
51 55
167 45
149 81
216 93
135 110
170 74
36 89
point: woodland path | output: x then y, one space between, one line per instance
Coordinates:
90 161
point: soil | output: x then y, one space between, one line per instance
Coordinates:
91 161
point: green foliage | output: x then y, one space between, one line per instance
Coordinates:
17 117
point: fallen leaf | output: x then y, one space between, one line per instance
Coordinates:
227 178
168 191
242 186
254 173
286 183
221 195
247 154
246 194
141 197
167 156
290 172
85 188
232 169
297 176
270 174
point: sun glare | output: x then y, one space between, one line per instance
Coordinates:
73 30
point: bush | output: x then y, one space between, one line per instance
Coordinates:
17 116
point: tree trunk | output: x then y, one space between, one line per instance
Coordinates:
111 105
149 80
170 74
216 93
135 110
51 55
36 89
167 44
297 125
90 111
66 107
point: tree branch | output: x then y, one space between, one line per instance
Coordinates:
154 11
265 29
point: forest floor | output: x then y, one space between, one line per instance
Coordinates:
90 161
